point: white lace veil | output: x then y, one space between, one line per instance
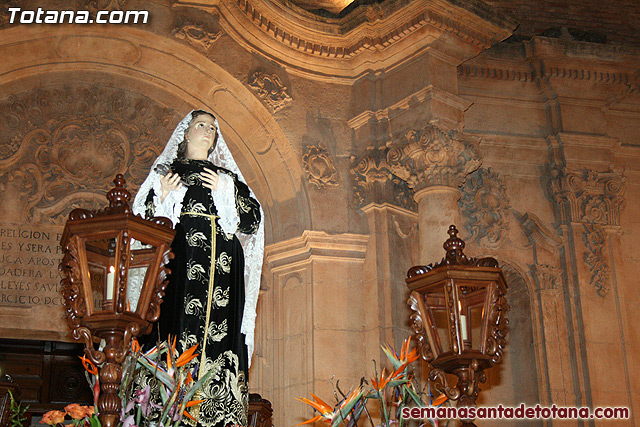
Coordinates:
252 244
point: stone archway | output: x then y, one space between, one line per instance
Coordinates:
174 77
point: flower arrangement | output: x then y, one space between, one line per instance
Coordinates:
392 392
164 399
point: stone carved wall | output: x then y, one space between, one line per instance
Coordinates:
67 144
485 205
433 156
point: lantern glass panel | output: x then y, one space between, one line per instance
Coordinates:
476 326
435 302
142 256
101 257
472 298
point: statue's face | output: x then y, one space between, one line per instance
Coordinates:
201 136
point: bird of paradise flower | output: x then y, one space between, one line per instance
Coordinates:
396 387
176 386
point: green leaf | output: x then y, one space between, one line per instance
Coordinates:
94 421
344 412
414 396
392 358
165 378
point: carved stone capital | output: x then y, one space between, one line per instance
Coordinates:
432 156
546 276
588 196
374 182
319 167
270 89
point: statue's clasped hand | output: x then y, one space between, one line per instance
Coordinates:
210 179
169 182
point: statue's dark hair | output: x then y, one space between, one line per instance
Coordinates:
182 147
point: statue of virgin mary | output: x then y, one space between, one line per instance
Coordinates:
215 275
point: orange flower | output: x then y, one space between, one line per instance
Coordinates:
89 366
381 383
78 412
187 356
53 417
135 346
325 410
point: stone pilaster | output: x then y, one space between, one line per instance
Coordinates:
311 316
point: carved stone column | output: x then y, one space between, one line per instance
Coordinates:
434 162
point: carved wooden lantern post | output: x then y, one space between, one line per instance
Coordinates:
106 253
459 318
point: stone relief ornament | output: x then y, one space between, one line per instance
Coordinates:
588 196
485 204
594 241
64 154
596 200
270 89
374 181
433 156
196 35
319 167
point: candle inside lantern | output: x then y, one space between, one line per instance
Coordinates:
463 323
110 280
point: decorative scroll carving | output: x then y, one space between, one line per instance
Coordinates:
418 327
62 155
546 276
374 182
594 241
485 204
319 167
196 35
496 339
588 196
432 156
270 89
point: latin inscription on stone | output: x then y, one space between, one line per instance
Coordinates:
29 279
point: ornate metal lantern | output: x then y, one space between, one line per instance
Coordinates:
459 318
106 253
